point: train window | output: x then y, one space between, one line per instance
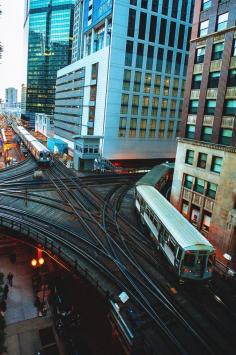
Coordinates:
189 259
172 246
179 254
41 154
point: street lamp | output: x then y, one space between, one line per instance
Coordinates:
228 258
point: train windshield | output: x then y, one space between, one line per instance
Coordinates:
41 155
189 259
211 260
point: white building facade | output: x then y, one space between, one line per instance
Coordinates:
132 79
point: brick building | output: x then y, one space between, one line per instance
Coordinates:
204 185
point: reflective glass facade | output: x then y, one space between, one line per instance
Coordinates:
49 27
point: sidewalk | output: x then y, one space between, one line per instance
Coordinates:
23 323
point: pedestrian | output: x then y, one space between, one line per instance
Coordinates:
10 278
5 291
3 307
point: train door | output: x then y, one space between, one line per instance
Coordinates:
200 264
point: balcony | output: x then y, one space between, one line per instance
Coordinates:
216 65
233 63
230 93
211 93
195 94
198 68
208 121
227 122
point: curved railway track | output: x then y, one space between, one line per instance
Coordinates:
107 240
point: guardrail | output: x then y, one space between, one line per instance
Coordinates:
52 248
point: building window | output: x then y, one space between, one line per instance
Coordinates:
203 28
142 25
137 81
159 59
195 215
124 103
232 78
206 134
206 4
143 127
135 104
190 133
234 49
147 83
122 126
185 209
164 107
131 23
133 127
144 4
211 190
230 107
152 128
145 105
172 34
217 51
213 79
154 106
210 107
139 58
216 164
199 185
129 53
202 159
153 26
189 157
206 222
193 106
126 81
200 53
162 31
94 72
170 129
226 136
188 182
149 57
161 132
196 83
157 84
222 21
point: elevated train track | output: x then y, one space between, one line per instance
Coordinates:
101 238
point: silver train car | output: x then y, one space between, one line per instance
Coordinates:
190 254
37 149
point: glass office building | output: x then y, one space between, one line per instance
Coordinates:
48 26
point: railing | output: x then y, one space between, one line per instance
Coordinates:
230 93
233 63
51 247
227 122
195 94
212 93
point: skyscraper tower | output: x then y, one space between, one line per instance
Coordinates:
204 186
48 28
126 90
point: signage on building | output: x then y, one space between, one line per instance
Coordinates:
100 10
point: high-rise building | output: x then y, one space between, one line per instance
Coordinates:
126 91
10 97
48 28
77 44
204 186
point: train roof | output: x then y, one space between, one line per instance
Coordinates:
185 234
154 175
31 139
39 146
